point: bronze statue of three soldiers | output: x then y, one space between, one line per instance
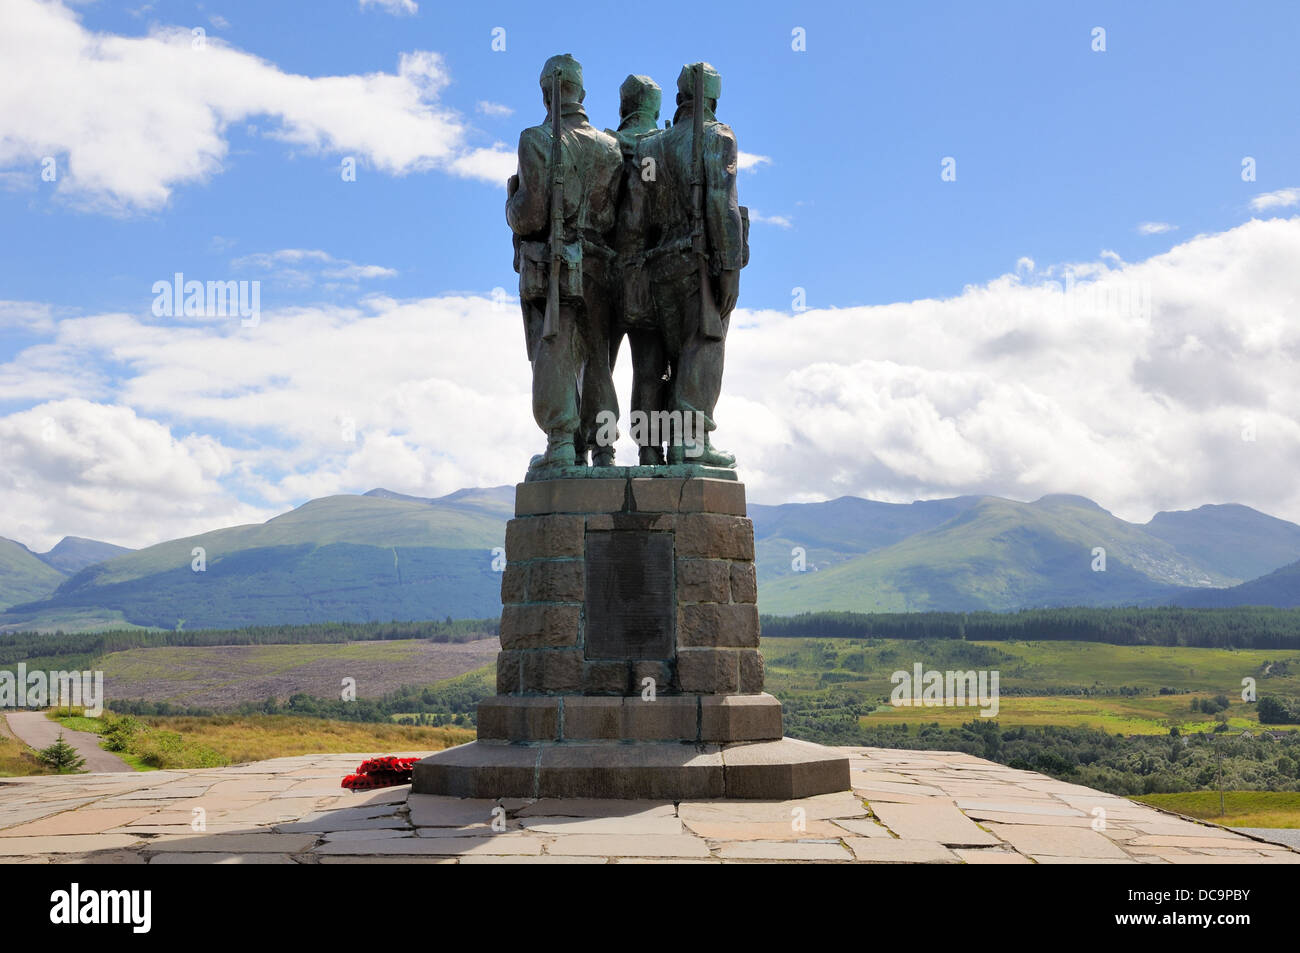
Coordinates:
635 233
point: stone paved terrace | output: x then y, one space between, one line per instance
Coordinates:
906 807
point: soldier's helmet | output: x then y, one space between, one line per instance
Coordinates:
571 90
686 81
639 94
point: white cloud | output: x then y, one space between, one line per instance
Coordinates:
1155 228
294 266
495 165
137 117
495 110
1282 198
748 162
778 220
395 7
1134 390
114 475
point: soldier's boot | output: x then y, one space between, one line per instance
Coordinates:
707 456
559 452
651 456
602 457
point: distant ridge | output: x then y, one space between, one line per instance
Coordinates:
384 555
74 553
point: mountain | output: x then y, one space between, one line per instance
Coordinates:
832 532
1232 539
385 555
999 554
342 558
23 576
73 553
1279 588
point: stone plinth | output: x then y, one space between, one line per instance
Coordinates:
630 660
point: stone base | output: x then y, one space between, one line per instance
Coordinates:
706 719
765 770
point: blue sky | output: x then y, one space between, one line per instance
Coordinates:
1064 156
1061 151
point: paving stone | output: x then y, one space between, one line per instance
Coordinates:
972 856
1157 840
428 810
215 858
863 827
937 822
819 807
537 859
595 807
999 817
446 846
630 845
334 837
251 843
783 850
1053 859
77 822
766 830
66 820
64 844
635 824
330 825
1009 806
892 797
895 851
1043 840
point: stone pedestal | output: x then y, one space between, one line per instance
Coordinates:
630 663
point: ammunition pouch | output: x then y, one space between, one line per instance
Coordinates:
535 270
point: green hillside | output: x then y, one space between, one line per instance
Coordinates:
1232 539
74 553
23 577
341 558
1279 588
999 554
837 530
384 556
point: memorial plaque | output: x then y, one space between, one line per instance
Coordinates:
630 600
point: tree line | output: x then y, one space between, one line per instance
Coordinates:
1241 627
19 646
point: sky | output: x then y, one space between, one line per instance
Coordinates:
1002 248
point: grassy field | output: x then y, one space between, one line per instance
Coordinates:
258 737
214 741
1041 668
1242 808
1120 689
1115 714
224 676
17 760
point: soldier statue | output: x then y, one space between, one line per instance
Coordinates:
633 313
561 206
635 232
696 244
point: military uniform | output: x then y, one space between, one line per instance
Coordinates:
663 212
633 313
572 381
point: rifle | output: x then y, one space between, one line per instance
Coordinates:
551 321
710 319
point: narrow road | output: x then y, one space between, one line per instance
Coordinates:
33 729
